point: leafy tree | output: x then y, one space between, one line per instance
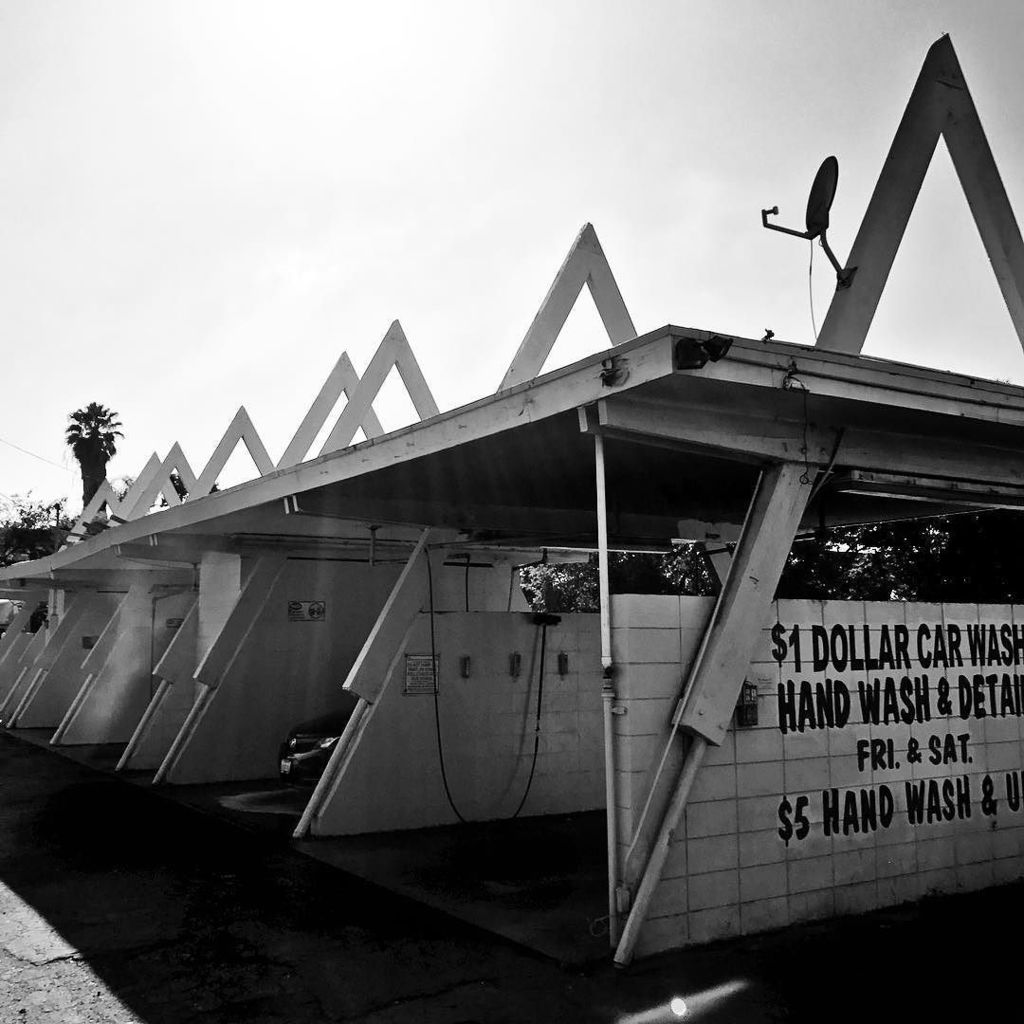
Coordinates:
92 437
573 586
31 529
973 557
123 486
180 489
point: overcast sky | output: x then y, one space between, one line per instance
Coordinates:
203 204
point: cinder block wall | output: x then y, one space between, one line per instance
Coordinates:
487 729
754 851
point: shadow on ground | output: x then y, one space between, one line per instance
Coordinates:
183 917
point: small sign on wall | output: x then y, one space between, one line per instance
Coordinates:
420 673
307 611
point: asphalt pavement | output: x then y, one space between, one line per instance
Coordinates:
120 904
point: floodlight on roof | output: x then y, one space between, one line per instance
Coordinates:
819 204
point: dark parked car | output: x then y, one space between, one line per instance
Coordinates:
304 754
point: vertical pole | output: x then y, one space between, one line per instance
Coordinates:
602 556
607 693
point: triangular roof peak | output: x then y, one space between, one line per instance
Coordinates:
585 264
940 105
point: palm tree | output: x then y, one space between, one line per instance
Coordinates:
91 437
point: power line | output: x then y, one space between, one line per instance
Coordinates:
25 451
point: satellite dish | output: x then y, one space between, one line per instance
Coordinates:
823 192
819 204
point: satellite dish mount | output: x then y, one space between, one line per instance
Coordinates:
819 203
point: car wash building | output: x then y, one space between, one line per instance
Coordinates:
748 762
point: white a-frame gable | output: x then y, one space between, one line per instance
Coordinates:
585 264
342 380
394 352
940 104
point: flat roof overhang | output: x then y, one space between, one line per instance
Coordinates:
685 439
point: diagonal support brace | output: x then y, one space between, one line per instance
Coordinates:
720 666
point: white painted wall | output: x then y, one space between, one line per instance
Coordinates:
487 729
730 871
21 672
64 678
172 709
220 580
286 672
123 685
290 671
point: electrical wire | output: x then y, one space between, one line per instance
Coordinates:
437 709
25 451
536 727
810 291
790 381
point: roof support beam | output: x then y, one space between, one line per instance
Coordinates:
120 579
542 524
735 434
731 433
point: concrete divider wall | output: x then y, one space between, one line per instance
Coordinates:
291 666
288 670
845 803
65 677
177 697
19 673
487 729
123 684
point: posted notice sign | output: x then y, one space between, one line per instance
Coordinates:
307 611
420 673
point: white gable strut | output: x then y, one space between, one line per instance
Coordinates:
585 264
394 351
940 104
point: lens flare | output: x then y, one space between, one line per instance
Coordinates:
694 1006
